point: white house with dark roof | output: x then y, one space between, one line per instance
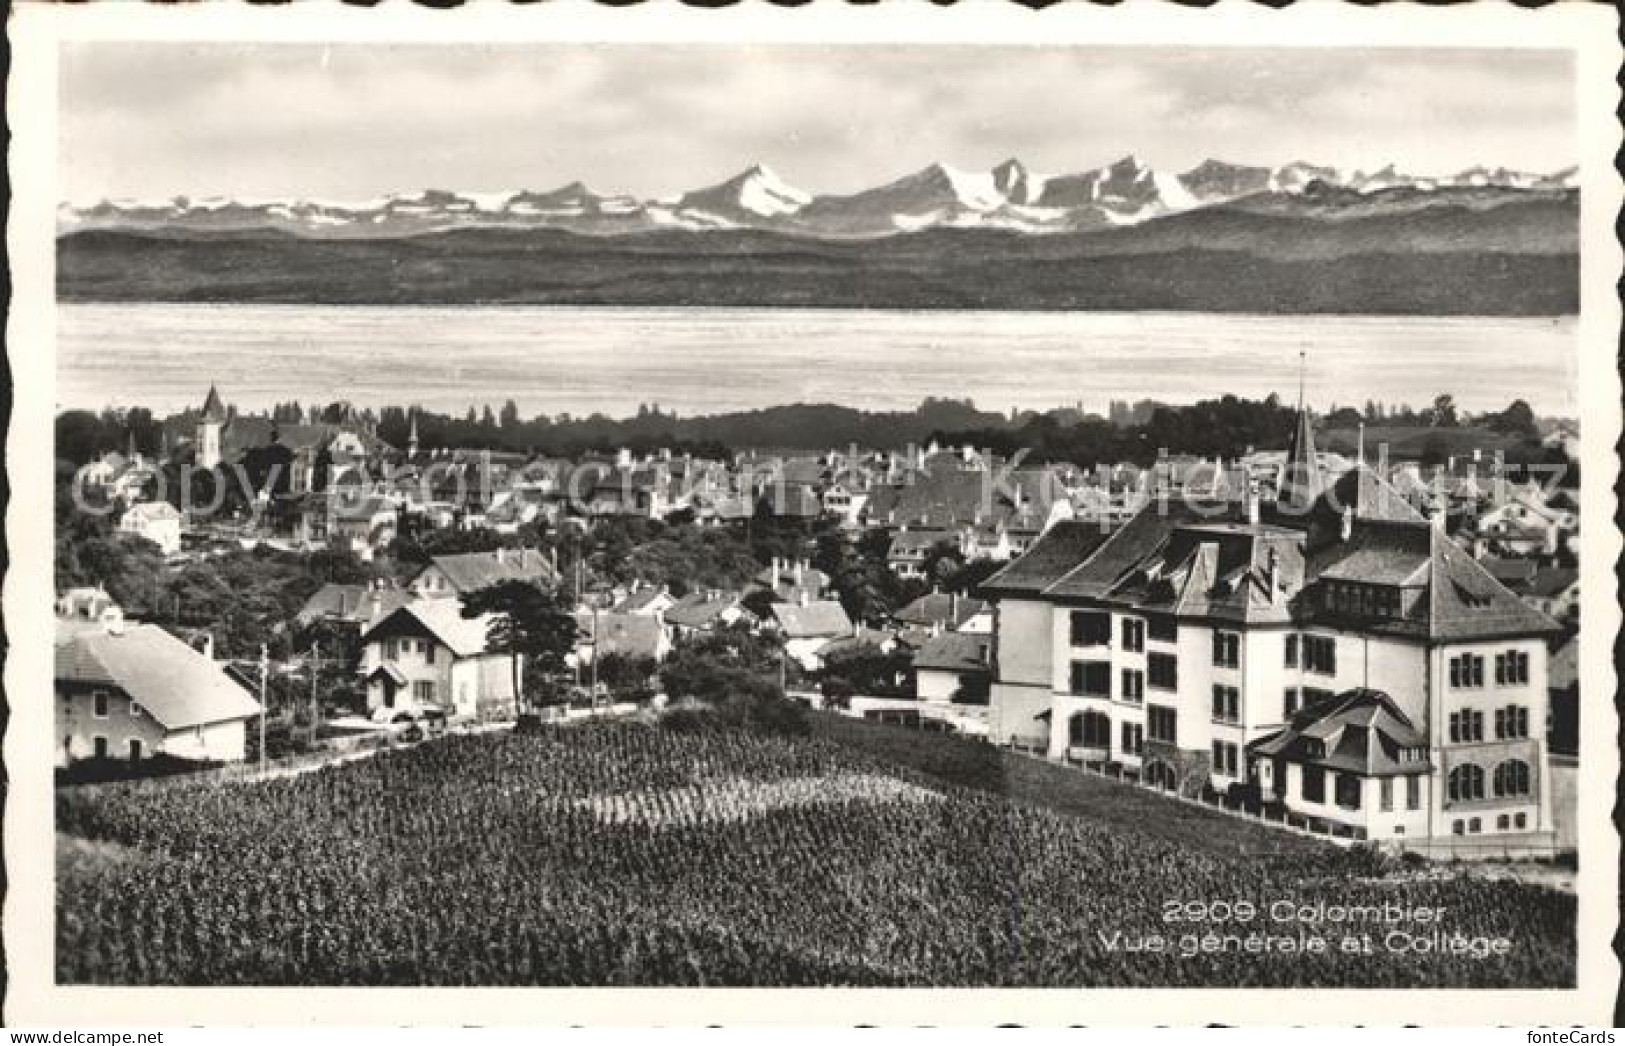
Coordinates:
425 654
131 691
1176 645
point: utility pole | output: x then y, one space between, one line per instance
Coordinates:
595 652
315 699
265 672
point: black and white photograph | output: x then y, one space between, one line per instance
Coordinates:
982 500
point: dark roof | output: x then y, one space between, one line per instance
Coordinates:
1467 603
1189 559
1301 483
353 603
471 571
1359 731
213 409
941 608
1061 548
955 652
1369 496
1510 572
1552 581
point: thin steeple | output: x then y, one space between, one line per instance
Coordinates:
1301 482
213 409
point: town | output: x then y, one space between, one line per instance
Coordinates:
1348 645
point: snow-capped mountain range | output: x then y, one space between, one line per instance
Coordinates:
1009 196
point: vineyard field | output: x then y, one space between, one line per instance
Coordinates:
627 854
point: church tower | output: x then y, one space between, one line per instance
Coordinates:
1300 484
209 428
412 438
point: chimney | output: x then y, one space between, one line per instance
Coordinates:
801 570
1438 514
377 607
1272 575
1252 506
208 645
953 609
1346 529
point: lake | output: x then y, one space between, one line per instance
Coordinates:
583 360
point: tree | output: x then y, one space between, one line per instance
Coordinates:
510 415
760 603
1443 414
527 623
627 674
864 668
1518 420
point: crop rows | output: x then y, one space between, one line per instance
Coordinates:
489 861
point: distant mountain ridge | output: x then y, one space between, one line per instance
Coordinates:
1010 196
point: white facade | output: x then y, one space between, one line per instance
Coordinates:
157 522
102 721
1112 722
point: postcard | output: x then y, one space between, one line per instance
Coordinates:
896 515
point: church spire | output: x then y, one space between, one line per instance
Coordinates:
213 410
1301 482
412 436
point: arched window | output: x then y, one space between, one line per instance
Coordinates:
1467 782
1512 778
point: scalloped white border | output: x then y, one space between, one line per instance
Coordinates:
1589 30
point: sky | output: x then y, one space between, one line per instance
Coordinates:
351 122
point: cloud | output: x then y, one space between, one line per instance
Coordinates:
350 121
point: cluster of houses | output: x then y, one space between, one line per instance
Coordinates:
1385 652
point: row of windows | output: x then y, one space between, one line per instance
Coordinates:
1510 778
1511 669
1473 826
1511 723
1347 791
1094 628
1347 597
1093 679
394 648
